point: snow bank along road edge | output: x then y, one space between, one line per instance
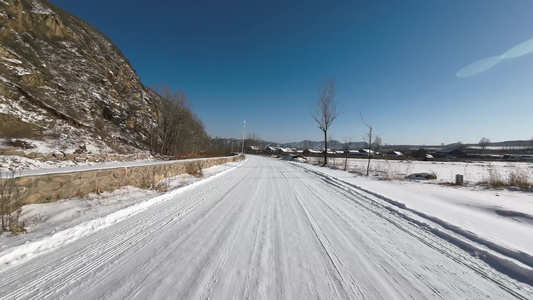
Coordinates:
71 182
516 264
19 254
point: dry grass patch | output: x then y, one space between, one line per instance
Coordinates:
520 179
517 177
194 168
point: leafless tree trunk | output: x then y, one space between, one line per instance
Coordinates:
332 146
325 112
347 144
368 139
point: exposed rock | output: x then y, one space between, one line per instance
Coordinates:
14 152
33 79
60 75
6 91
20 144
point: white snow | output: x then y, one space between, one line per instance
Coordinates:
498 217
38 8
4 80
21 71
12 60
13 108
473 172
51 225
272 229
35 167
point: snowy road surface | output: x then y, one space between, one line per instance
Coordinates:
264 230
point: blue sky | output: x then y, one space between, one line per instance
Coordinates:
402 64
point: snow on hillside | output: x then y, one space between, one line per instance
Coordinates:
28 166
64 84
66 142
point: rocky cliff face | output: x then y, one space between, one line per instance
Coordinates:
64 83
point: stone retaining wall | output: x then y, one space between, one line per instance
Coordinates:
52 187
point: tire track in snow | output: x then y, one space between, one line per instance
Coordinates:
266 231
227 246
347 227
148 268
255 259
152 263
340 286
104 247
424 236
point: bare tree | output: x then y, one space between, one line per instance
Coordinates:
325 112
347 144
368 140
332 142
378 142
484 142
179 130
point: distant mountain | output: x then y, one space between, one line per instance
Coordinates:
307 144
509 144
65 83
333 144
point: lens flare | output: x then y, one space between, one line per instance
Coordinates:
522 49
479 66
487 63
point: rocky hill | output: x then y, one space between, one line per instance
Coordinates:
65 85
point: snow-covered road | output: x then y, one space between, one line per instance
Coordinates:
264 230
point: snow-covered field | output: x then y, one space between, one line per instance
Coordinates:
271 229
494 218
473 172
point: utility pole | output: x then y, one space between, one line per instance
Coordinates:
243 129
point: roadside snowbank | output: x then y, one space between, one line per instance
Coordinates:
54 224
496 221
